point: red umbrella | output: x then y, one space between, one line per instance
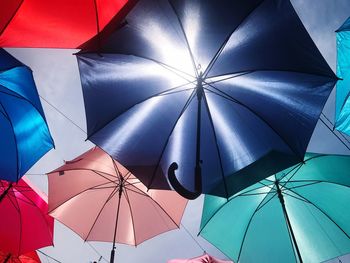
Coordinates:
24 222
202 259
55 23
30 257
100 200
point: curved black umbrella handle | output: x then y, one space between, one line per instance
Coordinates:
178 186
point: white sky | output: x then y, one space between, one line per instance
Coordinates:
57 78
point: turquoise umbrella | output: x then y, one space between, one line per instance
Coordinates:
343 86
298 215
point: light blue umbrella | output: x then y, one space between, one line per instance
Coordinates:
343 71
298 215
24 134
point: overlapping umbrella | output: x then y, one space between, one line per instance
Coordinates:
24 223
298 215
227 93
206 258
100 200
343 71
55 23
24 136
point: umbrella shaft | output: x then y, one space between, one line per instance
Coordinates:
116 224
198 173
280 197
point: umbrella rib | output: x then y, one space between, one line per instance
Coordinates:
41 213
297 167
294 170
132 217
148 196
168 137
141 101
10 20
223 45
323 212
18 96
79 193
186 40
229 76
216 143
91 170
250 221
166 66
250 71
250 190
320 181
115 190
307 184
230 98
20 223
15 141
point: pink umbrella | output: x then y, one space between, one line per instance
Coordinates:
100 200
24 222
202 259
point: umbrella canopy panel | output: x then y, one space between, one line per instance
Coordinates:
54 23
252 227
24 223
30 257
230 91
343 86
25 136
84 195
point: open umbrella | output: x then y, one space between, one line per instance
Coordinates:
56 23
101 201
298 215
206 258
24 222
227 93
30 257
343 86
24 137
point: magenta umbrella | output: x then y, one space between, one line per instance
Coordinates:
24 223
100 200
202 259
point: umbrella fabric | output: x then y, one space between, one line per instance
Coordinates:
202 259
30 257
24 222
101 201
343 86
226 93
25 137
252 226
55 23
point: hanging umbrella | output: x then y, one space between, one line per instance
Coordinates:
56 23
25 137
298 215
206 258
24 223
343 86
101 201
226 93
30 257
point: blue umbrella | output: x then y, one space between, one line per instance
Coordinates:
24 136
343 86
227 93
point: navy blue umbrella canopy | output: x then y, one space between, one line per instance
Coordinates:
24 136
210 96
